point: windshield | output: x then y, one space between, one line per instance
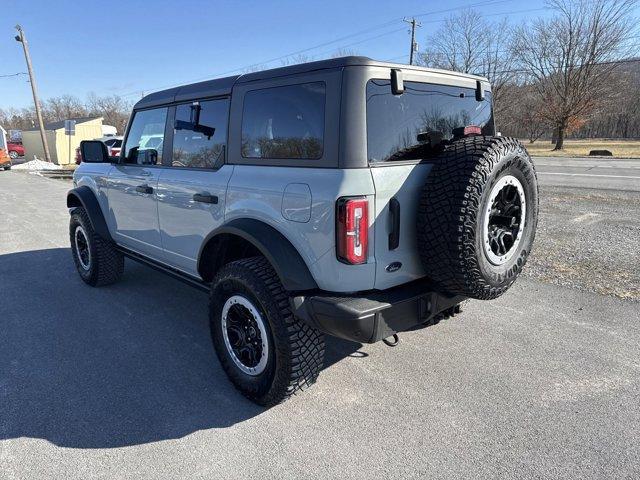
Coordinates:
395 121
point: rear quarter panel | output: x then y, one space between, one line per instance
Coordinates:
258 192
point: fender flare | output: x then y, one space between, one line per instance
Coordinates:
84 197
283 256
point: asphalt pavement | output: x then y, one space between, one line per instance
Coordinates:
122 381
588 172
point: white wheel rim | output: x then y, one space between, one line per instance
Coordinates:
239 300
82 246
506 181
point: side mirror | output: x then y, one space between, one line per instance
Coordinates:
93 151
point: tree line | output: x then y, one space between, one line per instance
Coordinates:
571 73
112 108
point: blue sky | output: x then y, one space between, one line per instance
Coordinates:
127 47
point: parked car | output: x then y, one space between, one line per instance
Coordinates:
113 143
347 197
16 149
5 160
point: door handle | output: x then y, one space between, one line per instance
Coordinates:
144 189
205 198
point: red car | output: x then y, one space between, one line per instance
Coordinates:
15 149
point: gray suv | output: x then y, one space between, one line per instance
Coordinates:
346 197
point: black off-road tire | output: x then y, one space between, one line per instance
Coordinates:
295 350
449 223
106 263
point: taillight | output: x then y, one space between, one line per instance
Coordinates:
467 131
352 229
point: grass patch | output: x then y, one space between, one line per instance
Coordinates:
581 148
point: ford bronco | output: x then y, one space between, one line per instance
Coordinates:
346 197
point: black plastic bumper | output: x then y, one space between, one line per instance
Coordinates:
368 317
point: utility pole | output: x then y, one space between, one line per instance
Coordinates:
414 45
32 79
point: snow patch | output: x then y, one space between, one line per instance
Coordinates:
36 165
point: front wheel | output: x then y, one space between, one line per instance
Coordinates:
96 259
13 155
267 353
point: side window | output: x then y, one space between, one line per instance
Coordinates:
284 122
146 137
200 133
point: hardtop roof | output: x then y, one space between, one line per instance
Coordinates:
223 86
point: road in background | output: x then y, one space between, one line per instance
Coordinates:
589 172
122 381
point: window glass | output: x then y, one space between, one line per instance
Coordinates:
284 122
146 137
394 121
200 133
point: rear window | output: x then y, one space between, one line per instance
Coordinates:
284 122
394 121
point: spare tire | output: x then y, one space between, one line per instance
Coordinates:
478 215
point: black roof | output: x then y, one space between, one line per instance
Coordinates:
223 86
60 124
208 88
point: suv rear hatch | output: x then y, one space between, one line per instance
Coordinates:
402 131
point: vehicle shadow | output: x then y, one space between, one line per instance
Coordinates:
108 367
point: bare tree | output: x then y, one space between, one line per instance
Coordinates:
63 108
468 43
523 115
571 57
296 59
113 109
344 52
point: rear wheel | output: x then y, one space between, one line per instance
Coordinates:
478 216
13 155
267 353
96 259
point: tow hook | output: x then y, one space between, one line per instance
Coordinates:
392 341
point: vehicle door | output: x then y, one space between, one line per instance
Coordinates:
192 187
133 181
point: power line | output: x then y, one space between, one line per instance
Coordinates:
13 74
462 7
298 52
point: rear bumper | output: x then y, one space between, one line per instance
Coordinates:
368 317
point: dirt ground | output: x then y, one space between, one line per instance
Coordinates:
581 148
